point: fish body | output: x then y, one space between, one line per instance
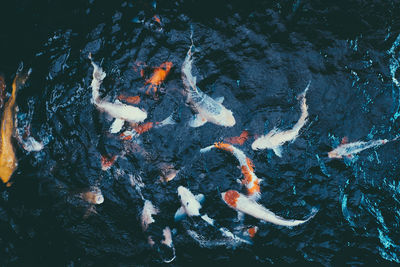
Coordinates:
8 160
276 138
248 206
250 179
165 246
121 112
93 196
159 75
206 108
350 149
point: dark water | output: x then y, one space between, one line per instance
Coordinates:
259 56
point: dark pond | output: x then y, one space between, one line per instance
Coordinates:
259 55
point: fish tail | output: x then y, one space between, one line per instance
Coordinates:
170 120
206 149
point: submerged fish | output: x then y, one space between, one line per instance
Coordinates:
207 108
165 246
8 160
250 179
191 206
246 205
158 77
276 138
239 140
349 149
93 195
117 110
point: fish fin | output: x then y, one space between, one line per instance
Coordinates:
208 219
240 216
206 149
168 121
220 99
278 151
117 125
180 214
239 181
200 198
197 120
345 140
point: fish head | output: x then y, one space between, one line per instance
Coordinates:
189 203
227 118
334 155
262 143
98 199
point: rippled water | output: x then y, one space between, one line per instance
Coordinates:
259 56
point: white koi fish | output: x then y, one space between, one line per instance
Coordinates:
207 108
93 195
250 179
121 112
246 205
166 247
276 138
191 206
349 149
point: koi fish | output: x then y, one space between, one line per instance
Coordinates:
107 162
158 77
239 140
117 110
8 160
250 179
349 149
166 246
206 108
130 99
168 172
276 138
246 205
142 128
191 206
93 195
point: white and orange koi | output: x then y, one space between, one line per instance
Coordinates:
276 138
158 77
248 206
8 159
250 179
350 149
191 206
206 108
117 110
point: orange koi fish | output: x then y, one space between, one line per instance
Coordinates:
250 179
159 75
239 140
130 99
93 195
107 162
246 205
8 160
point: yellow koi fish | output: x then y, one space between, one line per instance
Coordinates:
8 160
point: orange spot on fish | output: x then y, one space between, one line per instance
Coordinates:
142 128
130 99
238 139
254 189
223 146
250 164
231 197
157 19
159 75
125 137
252 231
345 140
247 175
106 162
